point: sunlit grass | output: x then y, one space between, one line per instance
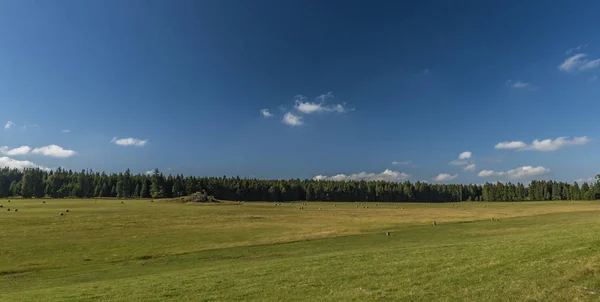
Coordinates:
142 250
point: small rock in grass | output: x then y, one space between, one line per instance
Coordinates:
67 211
8 210
61 213
16 210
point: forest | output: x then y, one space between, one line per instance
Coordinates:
63 183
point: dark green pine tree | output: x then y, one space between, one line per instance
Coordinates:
28 184
556 191
127 184
119 188
145 191
136 191
156 190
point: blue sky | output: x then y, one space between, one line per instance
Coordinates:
350 86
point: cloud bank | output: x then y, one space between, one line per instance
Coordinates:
518 173
387 175
544 145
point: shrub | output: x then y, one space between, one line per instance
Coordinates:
199 197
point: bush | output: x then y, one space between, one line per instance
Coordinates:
199 197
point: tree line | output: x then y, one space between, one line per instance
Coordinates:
63 183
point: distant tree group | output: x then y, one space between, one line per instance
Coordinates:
62 183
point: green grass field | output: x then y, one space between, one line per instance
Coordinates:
149 251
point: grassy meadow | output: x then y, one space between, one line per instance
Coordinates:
138 250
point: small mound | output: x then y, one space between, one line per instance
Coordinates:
199 197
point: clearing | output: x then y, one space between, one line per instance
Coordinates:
140 250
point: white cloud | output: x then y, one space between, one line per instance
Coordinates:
149 172
9 125
307 107
572 63
578 62
527 171
486 173
65 131
50 150
590 64
463 159
23 150
129 141
588 180
571 50
519 85
511 145
402 163
292 119
266 113
18 164
470 167
387 175
444 177
544 145
465 155
54 151
520 172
